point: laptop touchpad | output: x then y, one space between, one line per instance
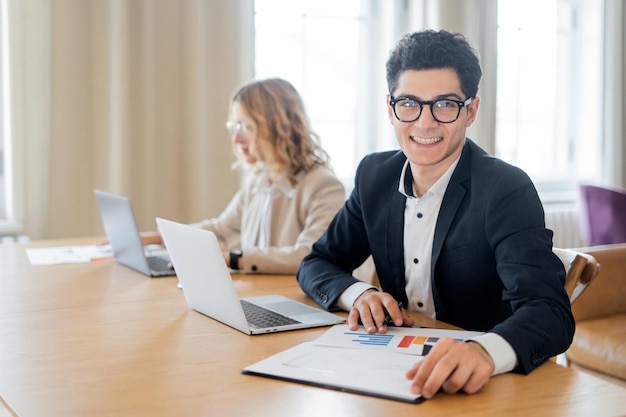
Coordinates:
290 308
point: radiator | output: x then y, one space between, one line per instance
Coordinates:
564 221
12 239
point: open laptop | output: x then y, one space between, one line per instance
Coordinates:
209 289
121 229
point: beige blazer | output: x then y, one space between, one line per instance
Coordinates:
297 221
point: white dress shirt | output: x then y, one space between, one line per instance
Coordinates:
270 191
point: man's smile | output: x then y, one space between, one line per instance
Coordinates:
426 141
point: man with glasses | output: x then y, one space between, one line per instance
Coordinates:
455 234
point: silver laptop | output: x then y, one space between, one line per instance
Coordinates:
209 289
121 229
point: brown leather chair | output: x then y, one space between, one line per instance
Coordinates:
600 340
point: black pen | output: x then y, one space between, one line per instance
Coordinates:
388 321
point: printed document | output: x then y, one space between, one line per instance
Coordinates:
355 361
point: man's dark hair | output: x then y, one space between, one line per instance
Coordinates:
430 49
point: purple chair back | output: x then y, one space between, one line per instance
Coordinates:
603 215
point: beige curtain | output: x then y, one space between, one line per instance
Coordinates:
129 96
615 92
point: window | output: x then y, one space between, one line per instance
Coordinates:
549 106
320 47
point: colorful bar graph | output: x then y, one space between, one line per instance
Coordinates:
407 341
371 339
419 345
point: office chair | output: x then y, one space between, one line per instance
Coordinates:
603 215
580 268
600 316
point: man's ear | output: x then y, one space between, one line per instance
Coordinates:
389 110
472 111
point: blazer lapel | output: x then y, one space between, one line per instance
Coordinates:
395 239
452 199
455 193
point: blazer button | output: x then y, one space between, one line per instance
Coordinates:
324 298
538 359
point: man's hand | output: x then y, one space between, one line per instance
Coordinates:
453 366
372 307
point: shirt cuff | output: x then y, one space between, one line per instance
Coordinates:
501 352
347 298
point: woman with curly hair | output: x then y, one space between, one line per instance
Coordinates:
289 193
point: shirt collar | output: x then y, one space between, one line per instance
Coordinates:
439 188
282 185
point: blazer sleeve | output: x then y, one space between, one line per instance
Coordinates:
227 227
541 324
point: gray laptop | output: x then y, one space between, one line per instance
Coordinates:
121 229
209 289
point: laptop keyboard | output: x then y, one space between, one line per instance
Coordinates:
260 317
160 263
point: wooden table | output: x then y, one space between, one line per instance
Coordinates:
99 339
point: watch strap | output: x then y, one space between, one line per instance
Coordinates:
234 256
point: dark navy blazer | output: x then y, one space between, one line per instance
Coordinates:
492 263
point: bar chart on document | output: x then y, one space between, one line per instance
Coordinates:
414 344
408 340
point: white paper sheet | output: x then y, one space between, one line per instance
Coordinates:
69 254
357 361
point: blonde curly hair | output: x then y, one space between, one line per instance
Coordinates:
283 130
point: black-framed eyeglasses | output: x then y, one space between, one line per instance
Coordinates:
446 110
